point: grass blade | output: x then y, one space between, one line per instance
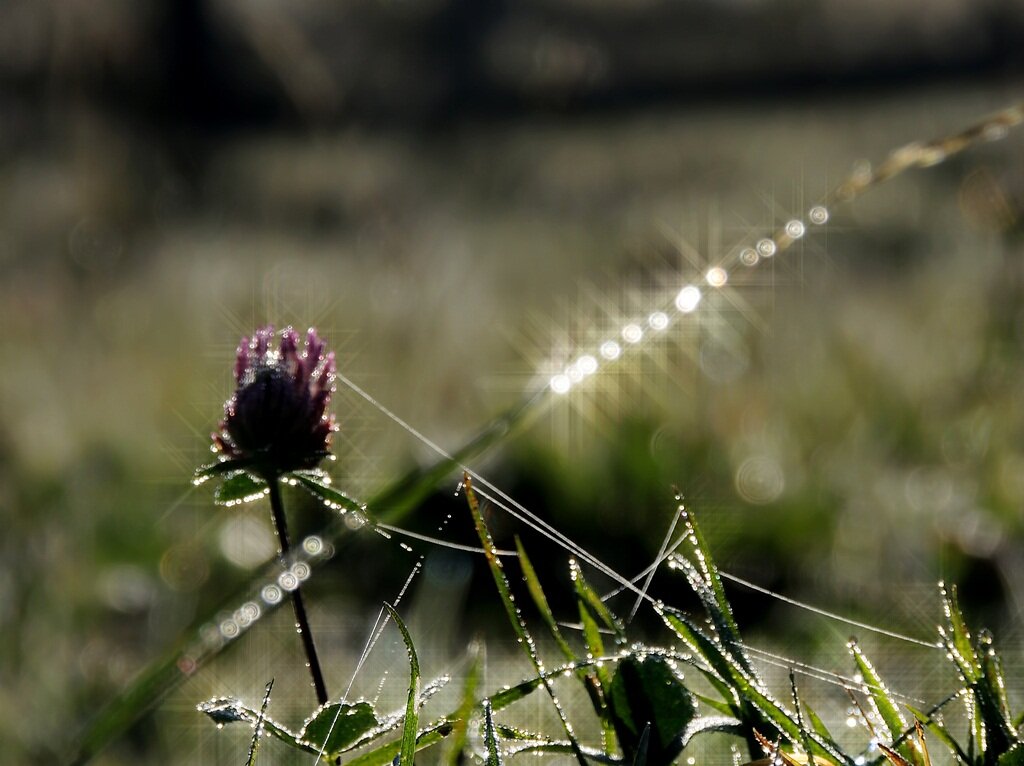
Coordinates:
491 737
465 711
409 733
514 616
386 754
880 699
541 601
257 729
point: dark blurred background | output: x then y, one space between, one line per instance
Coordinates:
463 194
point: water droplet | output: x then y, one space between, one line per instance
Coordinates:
587 364
610 350
818 215
717 276
658 320
766 247
560 384
795 229
632 333
749 256
313 545
688 299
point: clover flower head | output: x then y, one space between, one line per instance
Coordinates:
276 421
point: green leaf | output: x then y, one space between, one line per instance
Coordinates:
746 688
515 618
221 467
880 699
411 708
958 638
466 706
257 729
318 486
1013 757
587 596
540 600
648 692
336 727
491 737
227 710
817 725
713 594
386 754
238 488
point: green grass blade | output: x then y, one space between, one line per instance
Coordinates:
257 729
411 708
491 737
747 689
586 596
718 605
514 616
467 704
817 725
880 699
541 601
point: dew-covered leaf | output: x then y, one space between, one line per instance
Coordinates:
219 468
238 488
466 707
540 600
514 616
318 486
411 708
648 691
491 737
1013 757
226 710
386 753
713 595
335 727
880 699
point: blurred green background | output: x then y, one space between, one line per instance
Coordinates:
463 195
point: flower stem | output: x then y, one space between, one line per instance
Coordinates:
301 620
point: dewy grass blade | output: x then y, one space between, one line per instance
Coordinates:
514 616
491 737
460 731
409 732
879 696
257 729
540 600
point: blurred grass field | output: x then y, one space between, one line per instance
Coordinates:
847 421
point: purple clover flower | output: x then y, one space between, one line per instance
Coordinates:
277 420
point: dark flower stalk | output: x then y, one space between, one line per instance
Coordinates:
277 422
